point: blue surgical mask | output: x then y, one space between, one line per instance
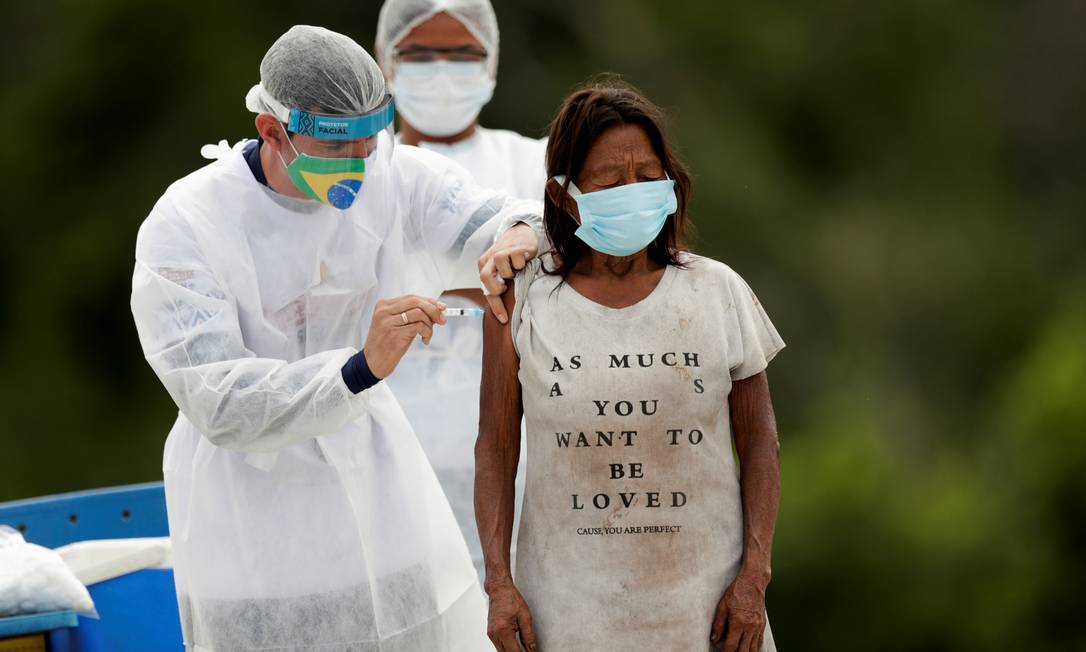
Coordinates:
623 220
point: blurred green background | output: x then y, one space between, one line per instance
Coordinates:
903 183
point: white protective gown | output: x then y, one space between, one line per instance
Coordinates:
500 159
302 516
438 385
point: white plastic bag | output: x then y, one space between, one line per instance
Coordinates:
35 580
104 559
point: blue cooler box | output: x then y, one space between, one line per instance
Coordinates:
138 611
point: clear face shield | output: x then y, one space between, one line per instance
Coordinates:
344 149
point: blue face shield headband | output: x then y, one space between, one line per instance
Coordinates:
337 127
623 220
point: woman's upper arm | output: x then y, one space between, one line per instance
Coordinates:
500 388
751 411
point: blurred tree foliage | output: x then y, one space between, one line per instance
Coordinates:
902 182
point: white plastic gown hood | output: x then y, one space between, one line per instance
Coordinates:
302 516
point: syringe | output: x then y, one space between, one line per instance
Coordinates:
463 312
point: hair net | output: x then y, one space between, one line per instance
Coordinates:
399 17
317 70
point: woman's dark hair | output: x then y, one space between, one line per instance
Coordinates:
591 110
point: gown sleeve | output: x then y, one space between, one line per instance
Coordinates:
190 334
454 219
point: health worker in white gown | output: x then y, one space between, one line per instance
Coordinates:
274 290
441 58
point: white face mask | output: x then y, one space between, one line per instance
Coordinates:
441 98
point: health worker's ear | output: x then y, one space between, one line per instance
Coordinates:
271 130
562 199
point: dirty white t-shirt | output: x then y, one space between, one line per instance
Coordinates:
631 527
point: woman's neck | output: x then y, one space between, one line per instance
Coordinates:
615 281
601 265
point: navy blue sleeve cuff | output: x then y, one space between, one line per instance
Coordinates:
357 374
